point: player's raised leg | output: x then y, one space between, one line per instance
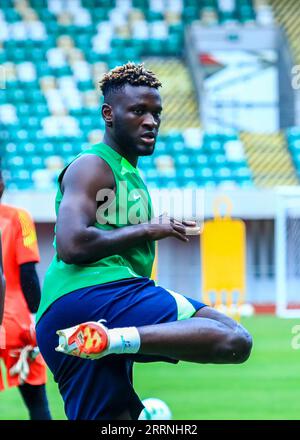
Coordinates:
208 337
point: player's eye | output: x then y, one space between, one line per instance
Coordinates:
138 111
157 115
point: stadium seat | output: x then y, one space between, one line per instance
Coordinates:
54 56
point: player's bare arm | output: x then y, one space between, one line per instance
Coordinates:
78 241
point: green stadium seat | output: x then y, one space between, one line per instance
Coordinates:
39 4
182 160
140 46
62 71
11 15
100 14
145 163
68 159
28 148
16 162
204 173
3 98
175 136
190 13
152 173
85 85
140 4
155 47
242 173
186 174
222 173
154 16
3 56
83 41
160 147
173 45
31 85
169 183
31 122
203 166
46 148
216 160
36 54
34 162
15 95
66 149
10 148
41 110
43 69
294 146
237 164
34 96
15 132
199 160
153 184
120 43
176 28
52 28
213 147
114 62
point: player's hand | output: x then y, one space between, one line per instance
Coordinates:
165 226
23 358
28 335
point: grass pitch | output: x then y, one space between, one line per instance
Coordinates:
267 386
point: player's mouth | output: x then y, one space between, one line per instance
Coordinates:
148 138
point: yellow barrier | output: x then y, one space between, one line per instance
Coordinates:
223 259
154 267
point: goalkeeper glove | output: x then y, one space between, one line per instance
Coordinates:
21 367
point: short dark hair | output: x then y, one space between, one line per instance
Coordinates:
130 73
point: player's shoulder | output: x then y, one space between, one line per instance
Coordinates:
13 212
89 160
86 169
8 211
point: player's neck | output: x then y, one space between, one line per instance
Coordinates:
110 141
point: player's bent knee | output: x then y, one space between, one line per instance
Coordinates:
238 347
234 347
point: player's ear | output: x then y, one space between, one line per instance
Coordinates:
107 114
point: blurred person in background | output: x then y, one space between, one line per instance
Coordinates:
2 289
25 367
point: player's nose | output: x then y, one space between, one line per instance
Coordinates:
149 121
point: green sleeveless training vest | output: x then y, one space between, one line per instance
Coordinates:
131 205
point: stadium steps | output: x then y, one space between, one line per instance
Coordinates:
287 15
269 160
180 106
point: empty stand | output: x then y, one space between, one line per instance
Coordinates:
54 53
269 159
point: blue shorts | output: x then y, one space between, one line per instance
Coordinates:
103 389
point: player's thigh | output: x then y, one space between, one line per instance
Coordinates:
133 302
147 303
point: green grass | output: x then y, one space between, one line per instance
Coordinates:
265 387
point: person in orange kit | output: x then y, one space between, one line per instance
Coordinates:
2 291
25 367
